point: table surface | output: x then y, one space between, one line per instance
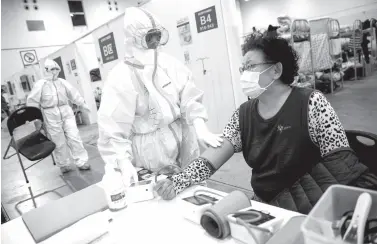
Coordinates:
154 221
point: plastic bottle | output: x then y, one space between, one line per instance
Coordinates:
115 189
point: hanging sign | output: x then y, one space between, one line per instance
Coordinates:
73 64
108 48
206 19
184 31
29 57
187 57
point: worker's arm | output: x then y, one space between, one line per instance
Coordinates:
192 109
212 159
115 118
191 100
73 94
34 97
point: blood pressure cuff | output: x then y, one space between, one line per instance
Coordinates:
214 219
219 155
55 216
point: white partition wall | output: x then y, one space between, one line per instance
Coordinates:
109 45
84 54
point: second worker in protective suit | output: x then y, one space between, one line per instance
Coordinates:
52 95
151 113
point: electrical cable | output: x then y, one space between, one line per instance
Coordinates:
205 199
249 222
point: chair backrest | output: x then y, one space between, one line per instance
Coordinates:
366 152
21 115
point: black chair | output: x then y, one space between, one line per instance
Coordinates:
367 153
35 146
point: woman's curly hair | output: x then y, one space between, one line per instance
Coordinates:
277 50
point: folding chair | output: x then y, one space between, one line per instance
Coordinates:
367 153
35 146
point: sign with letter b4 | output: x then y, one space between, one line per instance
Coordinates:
206 19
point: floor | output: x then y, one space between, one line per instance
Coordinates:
355 105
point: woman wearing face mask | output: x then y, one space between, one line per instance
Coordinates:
52 95
290 137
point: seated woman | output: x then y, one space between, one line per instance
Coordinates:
291 137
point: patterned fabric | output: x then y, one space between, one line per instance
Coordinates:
321 54
303 51
325 128
232 132
198 171
355 41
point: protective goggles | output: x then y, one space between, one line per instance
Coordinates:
57 69
154 37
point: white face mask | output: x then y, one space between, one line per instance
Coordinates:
55 74
250 83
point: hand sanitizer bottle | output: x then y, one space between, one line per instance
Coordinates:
115 189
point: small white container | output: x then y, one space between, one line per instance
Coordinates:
240 233
141 191
115 190
338 199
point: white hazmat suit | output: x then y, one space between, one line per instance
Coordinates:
150 105
52 95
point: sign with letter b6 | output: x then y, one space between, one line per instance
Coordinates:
206 19
108 48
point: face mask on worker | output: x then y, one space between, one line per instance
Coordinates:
55 73
144 35
250 83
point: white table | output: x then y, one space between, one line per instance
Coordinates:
155 221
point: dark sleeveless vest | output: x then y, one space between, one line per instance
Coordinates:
286 163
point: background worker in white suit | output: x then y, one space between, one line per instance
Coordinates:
52 95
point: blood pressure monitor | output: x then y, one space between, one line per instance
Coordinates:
192 207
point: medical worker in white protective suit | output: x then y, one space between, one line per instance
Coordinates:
151 113
52 96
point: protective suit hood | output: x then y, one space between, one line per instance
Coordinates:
50 69
143 36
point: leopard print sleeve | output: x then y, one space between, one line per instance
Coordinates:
199 170
232 132
325 128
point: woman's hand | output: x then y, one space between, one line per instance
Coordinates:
165 189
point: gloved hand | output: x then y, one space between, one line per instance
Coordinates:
128 171
205 137
165 189
85 107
